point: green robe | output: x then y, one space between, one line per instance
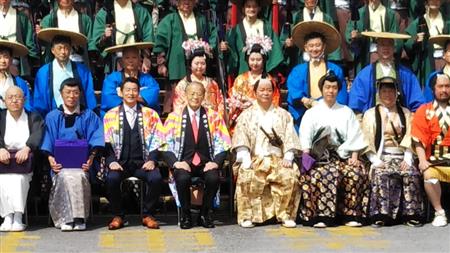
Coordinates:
238 65
363 43
171 35
327 6
84 24
24 35
422 65
298 17
143 32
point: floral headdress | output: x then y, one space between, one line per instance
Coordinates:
191 45
264 41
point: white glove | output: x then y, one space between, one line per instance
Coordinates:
243 157
289 156
408 157
374 160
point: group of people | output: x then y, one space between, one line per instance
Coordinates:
335 156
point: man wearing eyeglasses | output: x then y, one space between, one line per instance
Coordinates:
71 123
20 135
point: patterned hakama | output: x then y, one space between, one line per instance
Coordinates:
70 196
394 191
267 190
333 189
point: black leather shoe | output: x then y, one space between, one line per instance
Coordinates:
205 221
186 223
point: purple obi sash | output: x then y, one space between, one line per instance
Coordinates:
14 167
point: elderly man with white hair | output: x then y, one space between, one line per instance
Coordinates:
20 134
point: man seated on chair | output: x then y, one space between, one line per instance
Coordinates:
197 141
431 139
265 142
70 195
22 132
133 134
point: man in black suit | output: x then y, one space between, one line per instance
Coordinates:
197 141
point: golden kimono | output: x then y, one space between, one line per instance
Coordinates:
266 189
242 96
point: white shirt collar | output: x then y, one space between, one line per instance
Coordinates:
127 108
68 112
197 112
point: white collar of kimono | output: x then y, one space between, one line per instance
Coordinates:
118 6
254 29
72 12
8 11
6 75
318 15
447 69
262 110
22 117
322 103
191 16
66 67
374 7
68 112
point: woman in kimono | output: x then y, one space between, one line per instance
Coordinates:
197 54
265 142
242 94
251 26
70 195
395 181
331 140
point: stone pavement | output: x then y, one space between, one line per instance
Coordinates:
226 237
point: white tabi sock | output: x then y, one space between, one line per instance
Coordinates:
18 218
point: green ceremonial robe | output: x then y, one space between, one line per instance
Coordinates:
171 35
362 57
24 35
421 54
236 40
143 32
85 26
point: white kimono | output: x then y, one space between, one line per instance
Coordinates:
339 118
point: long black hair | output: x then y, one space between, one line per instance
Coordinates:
198 52
257 48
